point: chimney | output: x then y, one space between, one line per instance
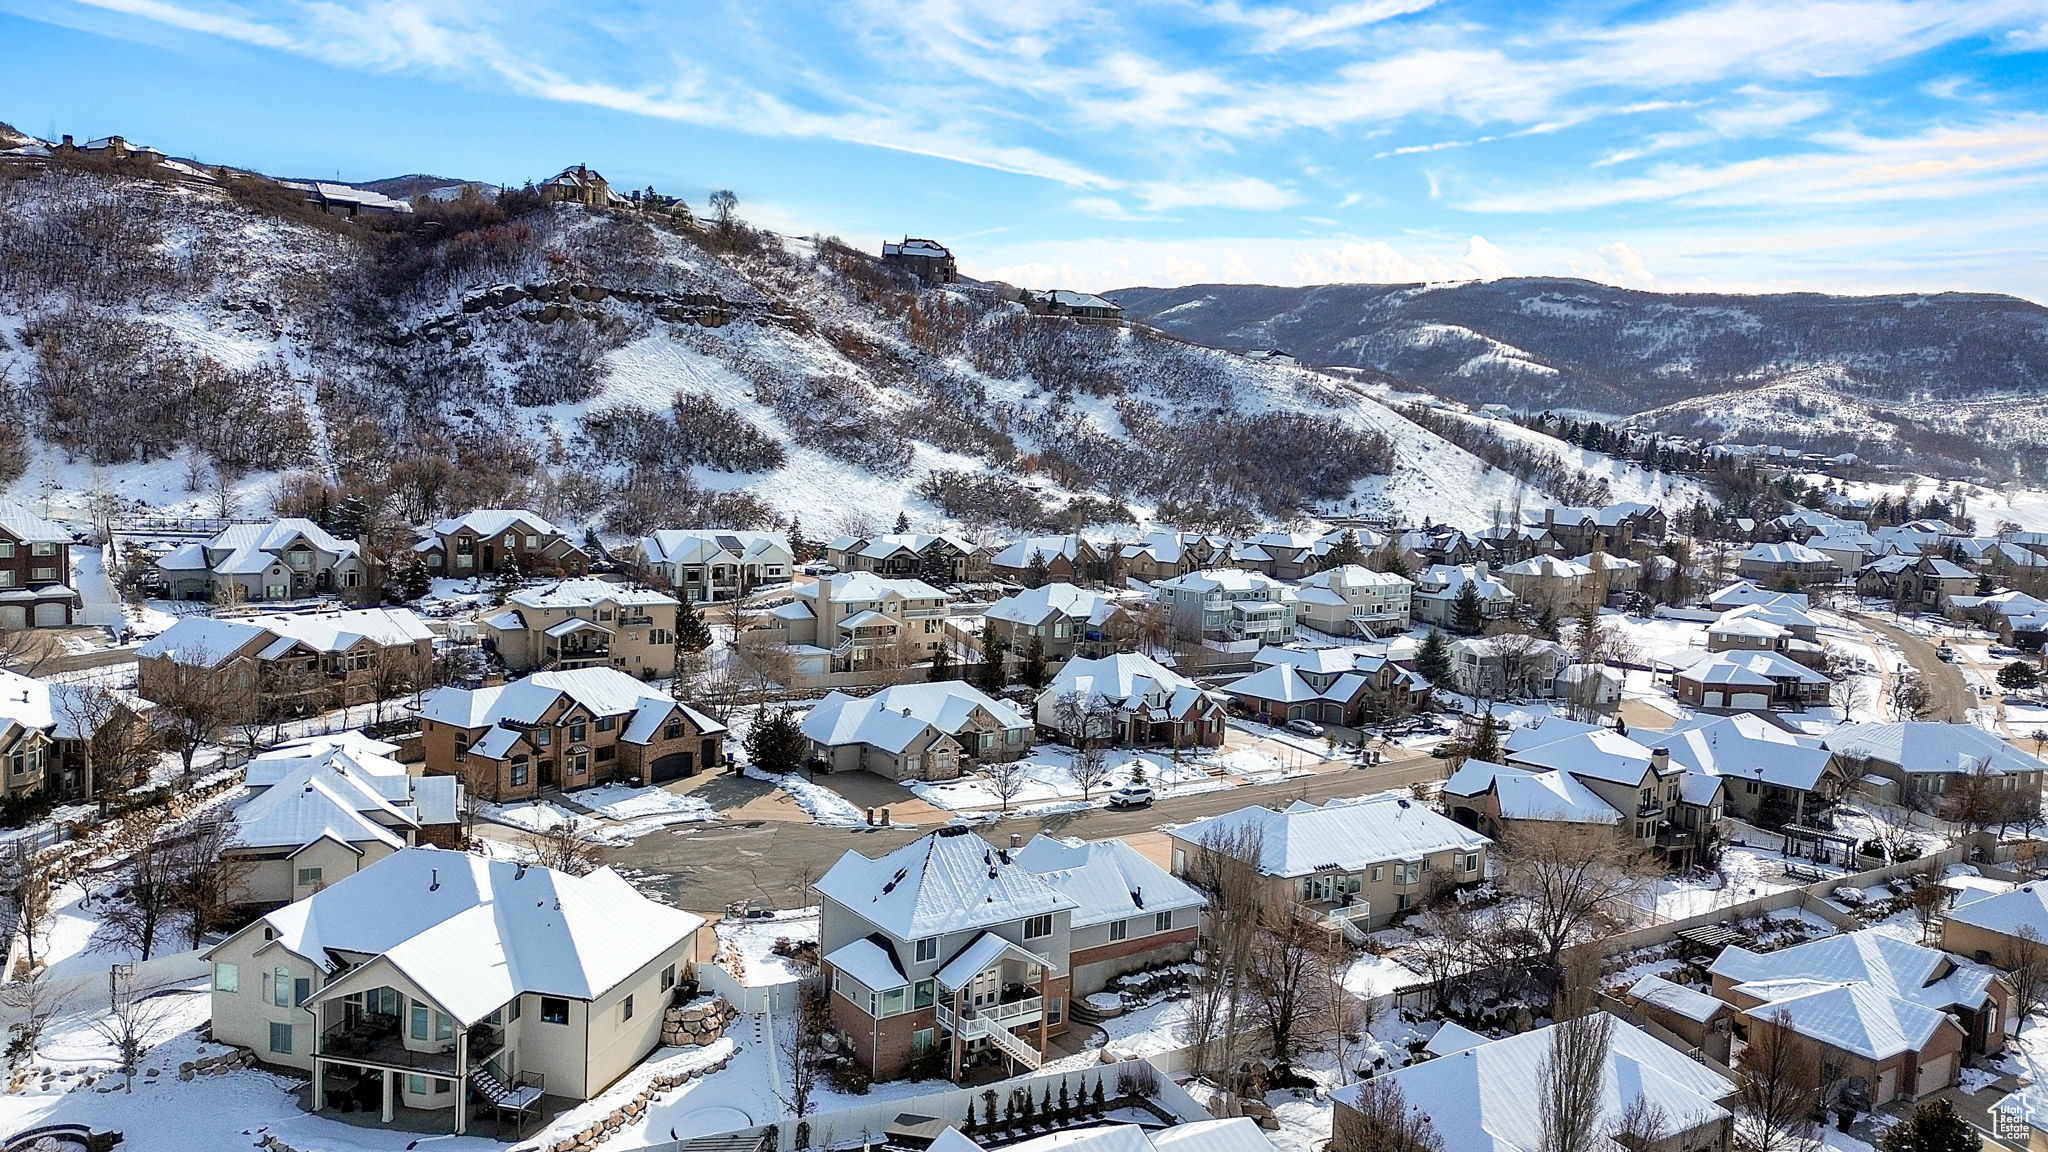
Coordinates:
67 145
1660 760
1016 839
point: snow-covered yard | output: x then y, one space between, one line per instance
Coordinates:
822 804
1046 776
746 946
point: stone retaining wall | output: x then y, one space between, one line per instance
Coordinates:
696 1025
601 1130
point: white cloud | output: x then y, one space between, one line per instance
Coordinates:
1244 194
1629 271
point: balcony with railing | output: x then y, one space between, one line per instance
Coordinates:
1350 920
974 1022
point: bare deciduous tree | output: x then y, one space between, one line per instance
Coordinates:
32 1002
1289 979
1226 870
1564 881
1086 767
1641 1125
209 884
131 1027
2025 960
198 700
1385 1122
566 847
137 917
1571 1077
25 885
1778 1089
1006 778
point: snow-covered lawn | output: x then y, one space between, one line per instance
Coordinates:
647 806
1046 776
1258 766
1371 975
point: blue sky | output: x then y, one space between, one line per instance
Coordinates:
1743 145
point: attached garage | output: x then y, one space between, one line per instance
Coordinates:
1754 700
673 766
52 614
1887 1085
13 616
1937 1073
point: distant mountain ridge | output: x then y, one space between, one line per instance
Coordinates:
1901 364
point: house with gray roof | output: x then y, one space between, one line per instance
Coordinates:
1927 758
712 564
919 731
35 570
287 559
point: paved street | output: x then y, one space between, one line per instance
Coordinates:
1950 695
704 867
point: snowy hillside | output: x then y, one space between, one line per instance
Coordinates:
238 352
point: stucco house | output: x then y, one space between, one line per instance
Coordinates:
927 731
433 978
489 540
1065 619
1150 704
585 623
288 664
712 564
288 559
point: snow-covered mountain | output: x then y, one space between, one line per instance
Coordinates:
625 370
1842 373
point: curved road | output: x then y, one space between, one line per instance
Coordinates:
705 867
1950 698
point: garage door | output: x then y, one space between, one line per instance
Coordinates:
1936 1074
1757 700
13 616
674 767
50 614
1887 1086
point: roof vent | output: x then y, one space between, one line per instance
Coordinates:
519 871
1138 897
1401 803
991 875
434 881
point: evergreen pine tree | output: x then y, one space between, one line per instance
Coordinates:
1486 740
942 664
775 744
799 547
1433 659
989 674
1345 551
902 522
350 517
1035 571
1032 670
1467 614
692 634
1933 1127
509 577
1586 631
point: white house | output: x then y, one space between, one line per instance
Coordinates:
712 564
1353 600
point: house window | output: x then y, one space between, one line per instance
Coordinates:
923 993
607 723
302 991
578 731
1119 929
895 1001
1162 921
6 549
668 978
420 1019
1470 863
554 1010
625 1009
281 1038
543 737
1038 926
912 765
43 574
1379 873
227 978
927 949
579 764
44 549
308 877
519 772
281 987
921 1041
1055 1009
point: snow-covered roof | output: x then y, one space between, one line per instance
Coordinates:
473 932
496 521
345 787
1445 581
1687 1001
1603 754
2007 912
1748 747
1743 592
1852 1017
701 545
1342 835
1930 746
1548 568
950 881
1454 1037
1345 577
1130 680
28 528
1106 879
586 592
1480 1099
1786 553
1529 794
861 587
1750 670
1284 683
1018 555
601 692
913 246
869 961
895 717
1895 967
1033 606
1227 580
984 950
202 641
249 549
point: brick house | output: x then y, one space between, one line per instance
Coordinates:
1787 565
1069 558
42 743
584 623
951 952
563 730
1326 685
35 567
488 539
288 664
